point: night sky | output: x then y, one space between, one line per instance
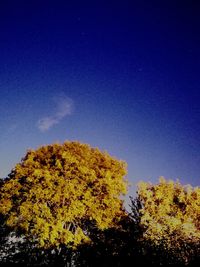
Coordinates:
123 76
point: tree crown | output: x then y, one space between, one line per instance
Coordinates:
56 187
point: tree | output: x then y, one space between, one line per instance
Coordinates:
56 188
170 217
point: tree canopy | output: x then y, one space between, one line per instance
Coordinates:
170 216
62 204
57 187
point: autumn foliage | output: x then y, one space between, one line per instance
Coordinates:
65 201
57 187
170 216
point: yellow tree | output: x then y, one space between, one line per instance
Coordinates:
170 216
56 187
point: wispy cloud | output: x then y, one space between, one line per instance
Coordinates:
64 107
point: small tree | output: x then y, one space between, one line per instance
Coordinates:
170 217
56 188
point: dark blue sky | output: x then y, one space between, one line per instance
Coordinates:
120 75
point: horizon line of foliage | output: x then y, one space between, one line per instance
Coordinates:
63 203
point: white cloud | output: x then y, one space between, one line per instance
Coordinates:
64 107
